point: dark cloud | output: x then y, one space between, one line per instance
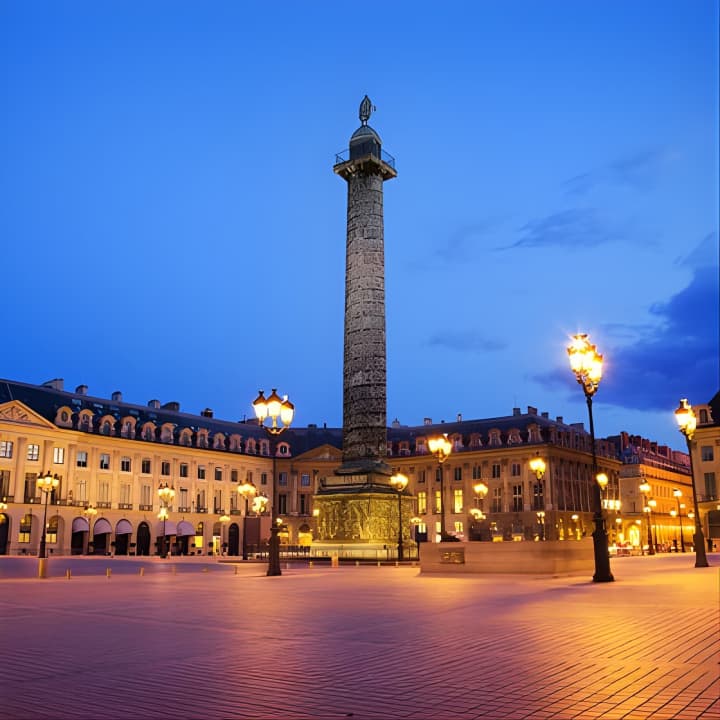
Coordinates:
579 227
465 341
639 171
678 358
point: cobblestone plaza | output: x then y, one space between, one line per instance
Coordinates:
192 639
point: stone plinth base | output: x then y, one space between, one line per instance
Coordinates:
358 551
552 557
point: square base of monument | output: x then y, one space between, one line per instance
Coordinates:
551 557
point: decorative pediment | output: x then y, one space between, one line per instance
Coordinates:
17 412
324 452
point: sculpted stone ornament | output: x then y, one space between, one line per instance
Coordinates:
366 109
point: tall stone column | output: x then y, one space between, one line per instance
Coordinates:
364 368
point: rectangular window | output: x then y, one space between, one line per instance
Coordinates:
165 468
477 472
438 501
146 497
304 504
457 501
81 458
6 448
200 504
517 498
184 469
515 469
104 461
249 476
125 497
25 529
538 496
217 501
305 480
459 527
218 474
81 489
710 486
422 502
4 483
58 455
125 464
146 467
282 503
201 472
52 530
458 473
184 507
33 452
497 500
263 478
234 476
31 488
438 473
421 476
496 470
104 492
283 478
706 453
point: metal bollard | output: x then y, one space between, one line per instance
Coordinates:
357 563
311 564
142 571
397 564
174 570
236 569
68 573
108 573
204 569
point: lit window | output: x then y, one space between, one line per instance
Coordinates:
497 500
422 502
6 448
81 458
25 529
517 498
457 500
33 452
58 455
438 502
104 461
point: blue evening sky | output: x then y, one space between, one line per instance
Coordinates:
172 228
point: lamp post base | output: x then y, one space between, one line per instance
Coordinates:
274 552
42 567
700 556
602 556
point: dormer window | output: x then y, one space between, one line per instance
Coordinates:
251 447
514 436
264 447
219 441
495 439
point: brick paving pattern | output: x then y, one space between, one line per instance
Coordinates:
360 642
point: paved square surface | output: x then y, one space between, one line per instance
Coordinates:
210 641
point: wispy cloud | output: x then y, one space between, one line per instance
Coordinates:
574 228
466 241
680 357
638 171
465 341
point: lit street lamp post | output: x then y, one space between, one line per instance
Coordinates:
399 482
441 448
586 363
652 503
273 407
481 490
47 483
677 494
166 494
246 490
645 490
537 465
687 422
89 512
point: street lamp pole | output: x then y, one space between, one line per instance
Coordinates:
246 490
273 407
47 483
586 363
645 490
89 512
441 448
686 420
166 494
652 504
537 465
678 494
399 482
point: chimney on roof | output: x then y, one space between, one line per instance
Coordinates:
516 411
532 410
559 419
173 406
427 421
545 415
116 396
154 404
81 389
207 412
459 417
312 426
56 384
396 423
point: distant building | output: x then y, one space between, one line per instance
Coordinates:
113 455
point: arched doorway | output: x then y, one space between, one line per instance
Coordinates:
4 533
101 537
143 539
185 531
123 533
234 539
80 527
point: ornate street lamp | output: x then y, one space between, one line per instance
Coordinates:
541 522
652 504
399 482
481 490
47 483
90 512
167 495
441 448
677 494
645 490
586 363
273 407
687 422
537 465
246 490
